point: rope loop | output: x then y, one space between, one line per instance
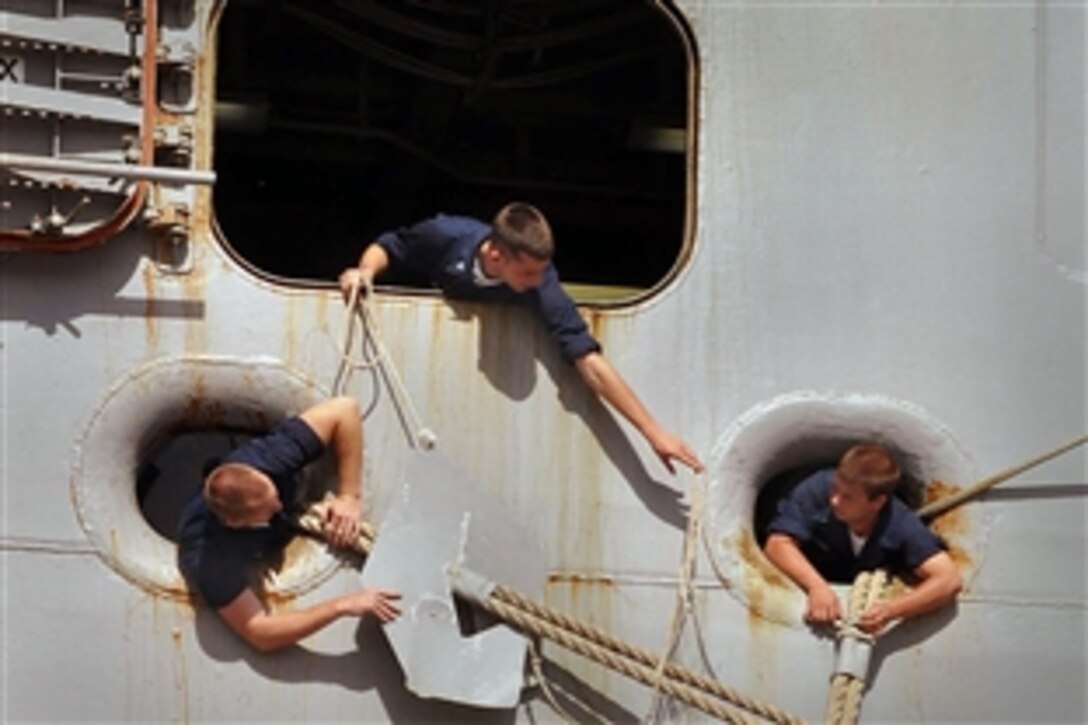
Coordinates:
360 314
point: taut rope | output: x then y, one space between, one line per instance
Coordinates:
584 639
847 688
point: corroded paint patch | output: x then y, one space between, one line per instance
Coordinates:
591 599
751 553
595 321
576 578
200 409
150 329
767 592
953 526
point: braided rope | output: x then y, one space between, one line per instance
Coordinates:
844 703
602 655
628 659
684 596
545 686
562 622
312 521
348 364
844 698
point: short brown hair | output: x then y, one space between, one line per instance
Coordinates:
230 491
871 466
521 228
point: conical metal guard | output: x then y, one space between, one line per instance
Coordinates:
441 522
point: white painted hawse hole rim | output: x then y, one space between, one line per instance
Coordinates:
805 428
160 399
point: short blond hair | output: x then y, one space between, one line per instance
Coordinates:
233 492
871 466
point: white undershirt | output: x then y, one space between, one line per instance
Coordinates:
479 278
857 543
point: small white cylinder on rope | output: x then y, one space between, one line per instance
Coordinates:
427 439
853 656
853 649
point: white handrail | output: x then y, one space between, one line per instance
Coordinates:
111 170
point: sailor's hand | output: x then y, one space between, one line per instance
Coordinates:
384 604
823 606
343 515
353 277
876 618
671 448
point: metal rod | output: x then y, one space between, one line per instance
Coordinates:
109 170
943 504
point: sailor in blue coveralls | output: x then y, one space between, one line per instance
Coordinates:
509 260
237 521
842 521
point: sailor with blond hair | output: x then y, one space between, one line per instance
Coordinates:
238 520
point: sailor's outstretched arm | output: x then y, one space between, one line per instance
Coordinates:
606 381
266 631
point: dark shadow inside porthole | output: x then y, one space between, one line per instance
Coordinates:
471 619
779 486
337 121
173 470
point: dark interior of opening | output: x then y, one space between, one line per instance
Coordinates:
337 121
471 620
173 471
